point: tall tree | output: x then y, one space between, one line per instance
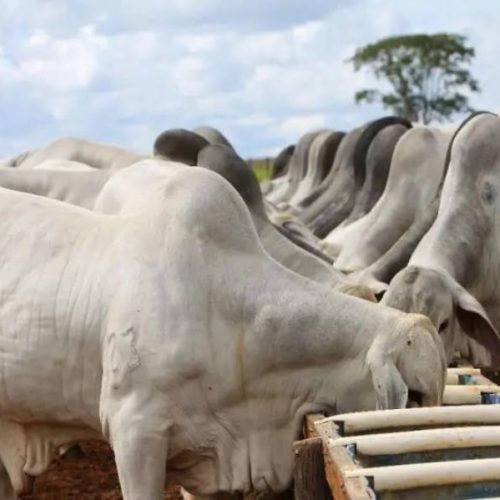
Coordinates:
428 75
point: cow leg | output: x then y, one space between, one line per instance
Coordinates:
6 490
140 455
13 446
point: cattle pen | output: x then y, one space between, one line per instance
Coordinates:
451 451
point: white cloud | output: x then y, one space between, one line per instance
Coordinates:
263 71
62 64
262 48
307 33
59 107
198 43
292 128
256 120
193 77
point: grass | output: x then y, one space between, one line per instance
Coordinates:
262 168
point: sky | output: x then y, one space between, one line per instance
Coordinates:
262 71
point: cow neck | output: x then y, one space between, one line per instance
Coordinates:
308 322
459 242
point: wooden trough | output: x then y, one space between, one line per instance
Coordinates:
452 451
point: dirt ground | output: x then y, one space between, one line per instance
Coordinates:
90 478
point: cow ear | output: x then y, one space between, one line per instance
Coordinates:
390 388
475 322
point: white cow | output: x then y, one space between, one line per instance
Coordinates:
80 185
297 170
416 170
281 239
343 193
213 135
319 161
94 154
280 170
70 169
169 332
64 165
132 188
58 179
452 276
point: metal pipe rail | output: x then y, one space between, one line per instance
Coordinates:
438 452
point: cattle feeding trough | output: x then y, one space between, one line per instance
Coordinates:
451 451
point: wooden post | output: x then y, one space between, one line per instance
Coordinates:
309 472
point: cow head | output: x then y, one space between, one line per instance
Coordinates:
407 364
461 320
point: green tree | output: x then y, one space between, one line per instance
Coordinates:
428 75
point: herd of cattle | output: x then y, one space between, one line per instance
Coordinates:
192 317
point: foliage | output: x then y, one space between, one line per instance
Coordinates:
428 75
262 168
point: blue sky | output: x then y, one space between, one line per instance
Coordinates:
263 71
